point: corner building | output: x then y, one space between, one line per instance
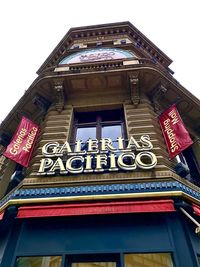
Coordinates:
115 198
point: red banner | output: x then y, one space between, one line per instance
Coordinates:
196 209
22 143
176 136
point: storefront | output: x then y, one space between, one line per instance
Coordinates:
98 186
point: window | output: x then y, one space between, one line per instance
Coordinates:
98 260
148 260
101 124
49 261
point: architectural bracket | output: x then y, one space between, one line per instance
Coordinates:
59 94
134 88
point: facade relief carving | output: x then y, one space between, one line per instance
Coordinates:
59 94
134 88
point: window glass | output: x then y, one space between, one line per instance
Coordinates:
51 261
86 117
99 124
112 132
111 115
148 260
84 133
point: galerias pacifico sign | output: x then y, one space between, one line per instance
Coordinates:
22 143
100 155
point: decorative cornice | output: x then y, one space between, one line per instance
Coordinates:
112 29
92 191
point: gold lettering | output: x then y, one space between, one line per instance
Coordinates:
58 165
133 144
49 149
106 145
92 146
78 148
146 143
45 164
113 166
120 143
70 161
146 160
88 166
101 160
64 149
78 161
125 166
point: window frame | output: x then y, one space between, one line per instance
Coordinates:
99 123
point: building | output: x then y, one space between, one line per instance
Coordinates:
115 198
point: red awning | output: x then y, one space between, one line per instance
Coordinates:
96 208
196 209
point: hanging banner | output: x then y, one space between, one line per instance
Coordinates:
22 143
196 209
176 136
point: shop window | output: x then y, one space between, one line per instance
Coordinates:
148 260
102 124
50 261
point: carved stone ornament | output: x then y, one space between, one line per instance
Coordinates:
59 94
134 89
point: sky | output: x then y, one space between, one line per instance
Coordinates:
31 29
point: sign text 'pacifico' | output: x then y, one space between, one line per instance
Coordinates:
97 156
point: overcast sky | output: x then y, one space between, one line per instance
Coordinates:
30 30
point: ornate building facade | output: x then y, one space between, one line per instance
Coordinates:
100 188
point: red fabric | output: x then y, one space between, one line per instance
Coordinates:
96 208
1 215
196 209
22 143
176 136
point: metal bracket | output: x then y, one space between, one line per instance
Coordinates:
197 230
